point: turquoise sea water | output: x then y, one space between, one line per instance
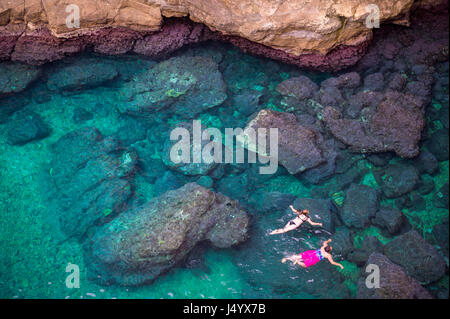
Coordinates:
34 252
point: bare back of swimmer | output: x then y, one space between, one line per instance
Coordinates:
302 216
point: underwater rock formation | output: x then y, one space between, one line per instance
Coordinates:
394 282
15 77
25 127
186 85
81 74
146 241
92 177
298 32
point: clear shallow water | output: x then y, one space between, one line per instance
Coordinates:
34 252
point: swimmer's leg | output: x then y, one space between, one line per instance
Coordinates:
286 228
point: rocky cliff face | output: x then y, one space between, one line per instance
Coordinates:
322 34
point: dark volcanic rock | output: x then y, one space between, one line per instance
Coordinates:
186 85
297 145
15 77
398 179
360 205
420 259
389 218
299 87
26 126
83 73
141 244
395 125
91 176
394 282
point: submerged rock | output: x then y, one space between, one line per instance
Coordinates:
394 282
420 259
91 176
144 242
81 74
15 77
26 126
186 85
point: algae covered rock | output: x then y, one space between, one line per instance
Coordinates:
186 85
146 241
394 282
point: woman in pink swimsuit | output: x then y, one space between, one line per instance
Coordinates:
312 257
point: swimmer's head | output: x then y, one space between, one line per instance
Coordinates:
305 212
328 249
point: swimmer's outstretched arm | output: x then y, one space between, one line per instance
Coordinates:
294 210
330 259
313 223
325 243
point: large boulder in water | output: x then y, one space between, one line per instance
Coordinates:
394 125
186 85
394 282
91 176
146 241
419 258
298 148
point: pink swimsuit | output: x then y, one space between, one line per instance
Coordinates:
311 257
